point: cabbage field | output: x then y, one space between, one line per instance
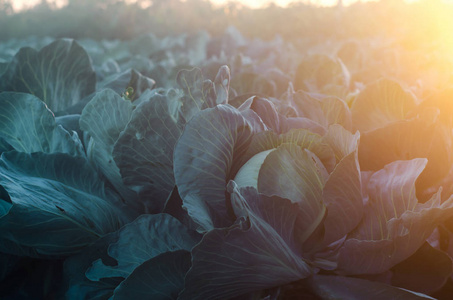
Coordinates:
219 163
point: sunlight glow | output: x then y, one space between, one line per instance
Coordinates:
439 24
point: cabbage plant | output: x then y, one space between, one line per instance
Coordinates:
218 182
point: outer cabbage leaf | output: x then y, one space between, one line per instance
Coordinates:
5 206
202 163
338 287
380 103
257 252
341 141
77 108
104 118
321 73
200 93
79 287
394 225
142 240
268 83
3 67
145 238
286 103
222 85
262 110
174 208
108 67
265 110
195 92
342 193
426 271
408 139
70 122
302 123
325 111
442 102
59 203
129 78
342 197
60 74
160 278
4 146
352 53
144 150
27 125
247 110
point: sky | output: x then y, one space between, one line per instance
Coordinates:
261 3
21 4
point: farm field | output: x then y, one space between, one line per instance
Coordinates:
189 151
